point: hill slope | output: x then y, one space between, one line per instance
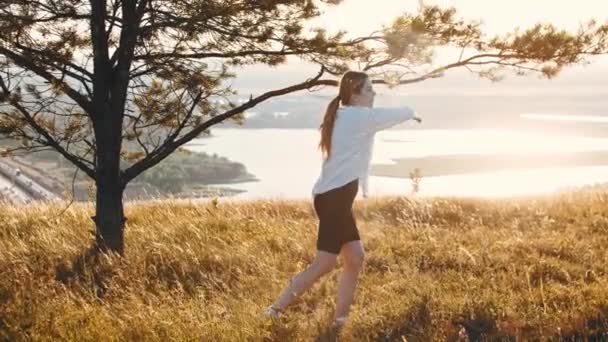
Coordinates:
526 268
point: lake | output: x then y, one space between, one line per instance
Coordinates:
287 162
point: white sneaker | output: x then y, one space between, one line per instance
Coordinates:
335 329
272 313
340 321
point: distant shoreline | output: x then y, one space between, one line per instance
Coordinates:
242 179
446 165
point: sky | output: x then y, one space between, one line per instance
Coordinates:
360 17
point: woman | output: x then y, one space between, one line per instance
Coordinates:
347 135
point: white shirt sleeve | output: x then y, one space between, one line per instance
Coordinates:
383 118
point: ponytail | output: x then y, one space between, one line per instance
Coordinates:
350 84
327 126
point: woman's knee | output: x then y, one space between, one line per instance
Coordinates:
324 265
354 259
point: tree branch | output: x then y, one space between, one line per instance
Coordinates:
46 54
27 64
168 148
50 141
99 39
231 54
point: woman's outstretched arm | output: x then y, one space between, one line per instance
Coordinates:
385 117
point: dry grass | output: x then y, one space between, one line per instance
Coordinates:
520 269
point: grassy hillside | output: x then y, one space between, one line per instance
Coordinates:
436 269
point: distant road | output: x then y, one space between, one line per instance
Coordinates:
20 189
13 193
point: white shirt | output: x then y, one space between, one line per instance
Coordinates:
352 142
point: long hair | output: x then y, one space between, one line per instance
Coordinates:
351 83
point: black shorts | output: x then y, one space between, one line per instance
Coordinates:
337 224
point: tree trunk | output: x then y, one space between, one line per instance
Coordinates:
109 96
109 219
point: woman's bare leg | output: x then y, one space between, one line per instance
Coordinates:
353 255
323 263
